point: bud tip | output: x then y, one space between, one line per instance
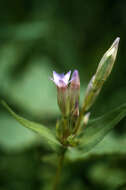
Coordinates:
75 78
116 42
113 49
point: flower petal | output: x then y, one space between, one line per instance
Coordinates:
57 77
67 77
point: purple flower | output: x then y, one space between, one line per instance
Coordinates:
61 80
67 92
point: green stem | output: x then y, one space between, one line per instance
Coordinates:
58 171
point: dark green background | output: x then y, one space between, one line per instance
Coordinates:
37 37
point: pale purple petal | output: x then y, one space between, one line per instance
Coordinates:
67 77
61 80
61 83
57 77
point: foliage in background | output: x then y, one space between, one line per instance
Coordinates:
38 37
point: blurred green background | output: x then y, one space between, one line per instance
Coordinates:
37 37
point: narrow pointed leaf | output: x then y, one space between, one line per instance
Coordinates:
96 130
37 128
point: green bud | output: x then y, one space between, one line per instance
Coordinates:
86 118
106 64
103 71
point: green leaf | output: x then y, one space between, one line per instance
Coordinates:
96 130
37 128
13 137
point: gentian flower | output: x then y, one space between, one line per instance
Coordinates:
67 92
62 82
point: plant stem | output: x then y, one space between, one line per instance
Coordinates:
58 171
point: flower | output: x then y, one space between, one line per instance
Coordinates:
67 92
61 80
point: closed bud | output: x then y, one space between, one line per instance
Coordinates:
103 71
74 93
86 118
106 64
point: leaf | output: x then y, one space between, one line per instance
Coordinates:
96 130
13 137
111 144
37 128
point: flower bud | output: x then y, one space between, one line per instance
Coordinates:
106 64
86 118
103 71
74 93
